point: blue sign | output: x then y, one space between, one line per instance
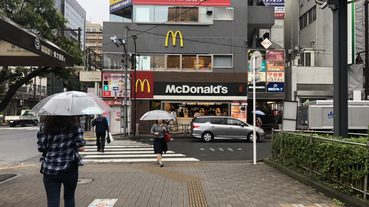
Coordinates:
115 88
273 2
120 5
275 87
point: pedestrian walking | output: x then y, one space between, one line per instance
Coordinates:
102 127
60 139
158 129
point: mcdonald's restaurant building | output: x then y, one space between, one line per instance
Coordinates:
191 57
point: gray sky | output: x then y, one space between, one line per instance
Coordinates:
96 10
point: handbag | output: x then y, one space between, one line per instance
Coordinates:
167 137
109 137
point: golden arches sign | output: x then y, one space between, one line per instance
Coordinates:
172 34
142 84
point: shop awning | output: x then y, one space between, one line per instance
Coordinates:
21 47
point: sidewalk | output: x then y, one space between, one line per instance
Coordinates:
200 184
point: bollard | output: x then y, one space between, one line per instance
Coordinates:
137 127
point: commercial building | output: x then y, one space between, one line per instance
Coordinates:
191 56
309 50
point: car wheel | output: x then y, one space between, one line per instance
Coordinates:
207 136
250 137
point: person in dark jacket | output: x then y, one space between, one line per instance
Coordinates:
102 128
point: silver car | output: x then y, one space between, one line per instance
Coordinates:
223 127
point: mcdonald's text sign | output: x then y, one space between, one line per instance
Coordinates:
143 86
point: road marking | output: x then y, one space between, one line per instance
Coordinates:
212 149
202 149
239 149
103 203
230 149
130 152
124 156
127 149
188 159
221 149
117 153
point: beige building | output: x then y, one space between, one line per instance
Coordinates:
94 45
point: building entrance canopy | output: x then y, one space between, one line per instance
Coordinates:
21 47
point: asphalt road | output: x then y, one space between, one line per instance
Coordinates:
17 144
218 150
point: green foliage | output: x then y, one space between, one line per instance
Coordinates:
334 162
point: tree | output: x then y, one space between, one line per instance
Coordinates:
42 18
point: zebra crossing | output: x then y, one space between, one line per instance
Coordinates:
129 151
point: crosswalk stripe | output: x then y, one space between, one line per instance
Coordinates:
185 159
123 156
119 146
117 153
129 151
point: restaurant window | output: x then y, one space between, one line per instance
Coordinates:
223 61
143 62
204 63
173 62
189 62
183 14
143 13
161 14
158 62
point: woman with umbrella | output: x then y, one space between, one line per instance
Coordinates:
158 129
59 140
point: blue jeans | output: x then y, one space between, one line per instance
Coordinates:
53 184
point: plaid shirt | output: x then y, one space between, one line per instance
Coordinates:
58 151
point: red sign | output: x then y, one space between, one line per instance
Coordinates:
143 86
184 2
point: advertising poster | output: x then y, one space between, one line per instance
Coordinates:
275 76
238 111
114 85
275 59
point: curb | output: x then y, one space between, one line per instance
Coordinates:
326 190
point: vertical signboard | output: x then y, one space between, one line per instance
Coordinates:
114 85
270 77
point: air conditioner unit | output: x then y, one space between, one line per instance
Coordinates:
308 57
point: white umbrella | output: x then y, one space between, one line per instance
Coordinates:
157 115
258 112
71 103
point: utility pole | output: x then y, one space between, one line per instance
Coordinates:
366 69
340 91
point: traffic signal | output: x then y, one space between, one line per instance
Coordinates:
106 85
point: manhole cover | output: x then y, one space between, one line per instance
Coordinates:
85 180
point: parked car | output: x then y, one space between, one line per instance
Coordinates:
223 127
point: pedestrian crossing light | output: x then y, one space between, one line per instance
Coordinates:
106 85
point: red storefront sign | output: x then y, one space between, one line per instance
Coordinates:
184 2
143 86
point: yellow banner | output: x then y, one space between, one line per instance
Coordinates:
114 1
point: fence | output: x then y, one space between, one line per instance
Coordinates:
341 162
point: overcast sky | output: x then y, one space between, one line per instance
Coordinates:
96 10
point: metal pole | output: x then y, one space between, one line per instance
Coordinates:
134 37
254 107
366 73
340 68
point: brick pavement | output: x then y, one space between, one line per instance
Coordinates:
213 184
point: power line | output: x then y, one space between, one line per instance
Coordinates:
194 40
171 18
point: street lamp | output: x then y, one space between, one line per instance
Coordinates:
134 37
122 42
